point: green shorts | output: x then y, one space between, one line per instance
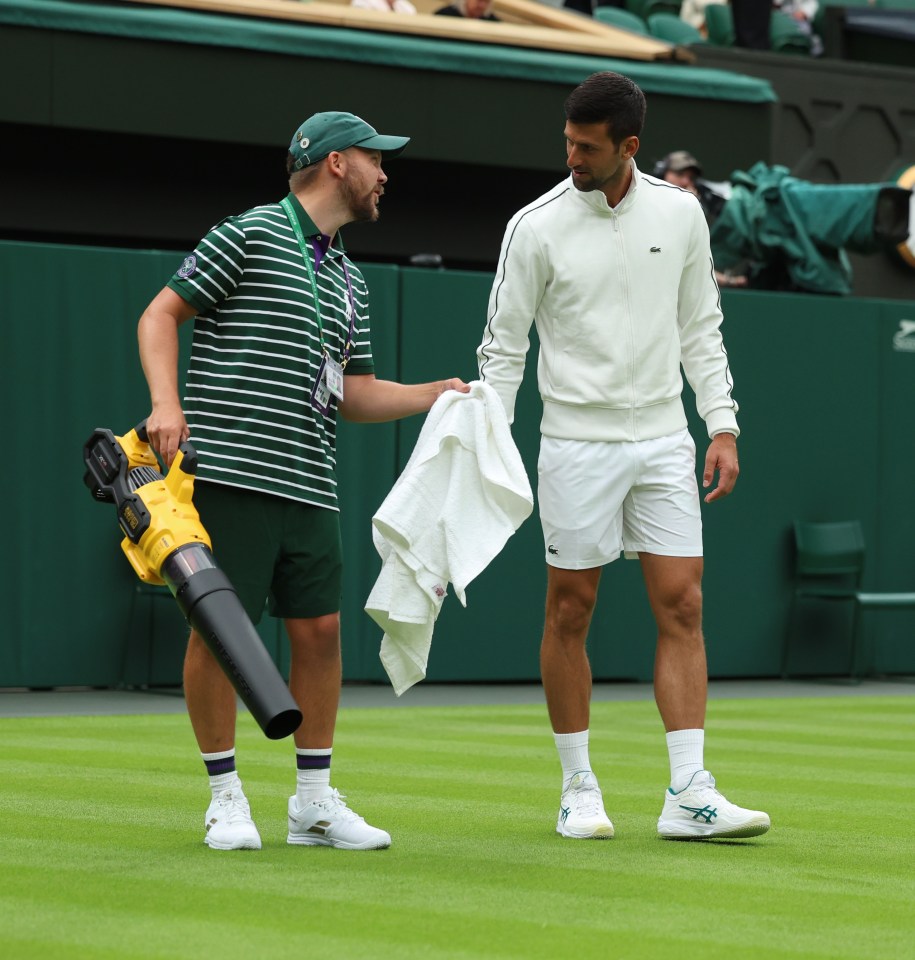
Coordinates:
274 549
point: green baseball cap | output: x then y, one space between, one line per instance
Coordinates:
323 133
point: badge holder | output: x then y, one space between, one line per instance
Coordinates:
329 383
320 393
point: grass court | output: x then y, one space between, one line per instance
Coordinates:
102 854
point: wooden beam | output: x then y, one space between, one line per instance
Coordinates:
608 42
543 15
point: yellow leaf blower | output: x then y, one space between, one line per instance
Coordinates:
166 543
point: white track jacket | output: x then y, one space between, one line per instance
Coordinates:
621 297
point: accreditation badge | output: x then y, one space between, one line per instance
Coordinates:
333 375
320 393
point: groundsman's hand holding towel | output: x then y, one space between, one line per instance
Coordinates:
462 494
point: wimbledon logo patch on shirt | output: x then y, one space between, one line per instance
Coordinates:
188 268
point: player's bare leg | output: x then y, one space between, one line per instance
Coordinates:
566 673
674 587
693 809
564 666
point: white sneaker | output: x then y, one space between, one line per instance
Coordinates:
699 811
228 822
329 822
581 810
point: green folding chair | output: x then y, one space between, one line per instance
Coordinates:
829 568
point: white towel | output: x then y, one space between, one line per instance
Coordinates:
462 494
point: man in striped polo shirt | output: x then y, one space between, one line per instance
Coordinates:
281 343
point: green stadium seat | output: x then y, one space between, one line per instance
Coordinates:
635 6
829 565
618 17
645 8
651 7
786 36
719 22
669 27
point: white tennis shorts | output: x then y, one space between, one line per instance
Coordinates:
599 499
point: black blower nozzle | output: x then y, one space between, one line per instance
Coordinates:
166 543
211 606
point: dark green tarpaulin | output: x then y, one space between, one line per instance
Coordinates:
363 46
784 225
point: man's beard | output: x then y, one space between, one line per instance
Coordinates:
585 186
594 181
361 207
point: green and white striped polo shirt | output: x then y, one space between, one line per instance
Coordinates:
256 354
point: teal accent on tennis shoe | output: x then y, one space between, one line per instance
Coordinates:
700 812
581 810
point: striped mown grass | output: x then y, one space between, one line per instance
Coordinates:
102 853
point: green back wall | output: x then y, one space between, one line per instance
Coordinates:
826 390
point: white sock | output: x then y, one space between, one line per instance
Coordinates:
685 748
221 770
312 778
573 754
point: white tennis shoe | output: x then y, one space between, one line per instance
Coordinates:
700 812
228 822
581 810
329 822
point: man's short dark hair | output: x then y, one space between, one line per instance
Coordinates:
297 178
608 98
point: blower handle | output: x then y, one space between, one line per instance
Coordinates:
185 460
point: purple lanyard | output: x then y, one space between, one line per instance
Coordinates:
348 346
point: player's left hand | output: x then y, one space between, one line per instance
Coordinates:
721 457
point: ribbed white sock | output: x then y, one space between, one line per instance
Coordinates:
221 770
573 754
312 779
685 748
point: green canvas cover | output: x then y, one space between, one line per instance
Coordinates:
795 231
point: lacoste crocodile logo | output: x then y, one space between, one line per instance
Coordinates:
553 550
655 249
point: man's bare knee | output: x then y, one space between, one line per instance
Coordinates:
570 599
315 636
569 616
685 608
